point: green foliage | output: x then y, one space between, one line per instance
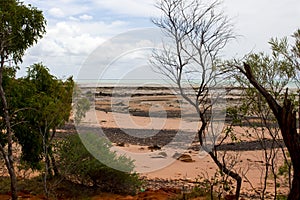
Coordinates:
78 165
81 104
38 104
285 170
52 100
81 107
195 193
208 188
20 27
234 114
296 47
281 197
266 79
273 72
216 186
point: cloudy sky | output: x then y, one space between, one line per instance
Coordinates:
77 27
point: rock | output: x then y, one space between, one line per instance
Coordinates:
154 147
164 154
160 155
119 104
185 158
120 144
157 156
176 155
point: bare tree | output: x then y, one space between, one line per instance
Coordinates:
197 33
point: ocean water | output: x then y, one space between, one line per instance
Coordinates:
139 82
293 85
124 82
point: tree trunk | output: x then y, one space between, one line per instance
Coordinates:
50 151
54 166
221 166
230 173
8 157
287 120
295 191
12 174
13 179
288 126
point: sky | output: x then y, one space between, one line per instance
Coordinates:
75 28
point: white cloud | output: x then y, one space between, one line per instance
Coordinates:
73 18
56 12
67 44
73 38
141 8
86 17
76 27
77 38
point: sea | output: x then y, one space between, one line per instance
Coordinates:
94 83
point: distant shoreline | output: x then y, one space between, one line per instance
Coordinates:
162 86
156 83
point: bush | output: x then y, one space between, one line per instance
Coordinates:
78 165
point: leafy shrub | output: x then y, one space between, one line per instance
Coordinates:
78 165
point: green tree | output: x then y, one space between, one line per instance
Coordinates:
81 104
275 74
20 27
49 107
39 103
18 96
78 165
265 73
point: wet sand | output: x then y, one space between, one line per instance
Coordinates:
134 120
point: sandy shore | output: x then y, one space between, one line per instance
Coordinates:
133 121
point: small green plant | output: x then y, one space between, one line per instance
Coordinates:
78 165
195 192
81 103
215 186
281 197
284 169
